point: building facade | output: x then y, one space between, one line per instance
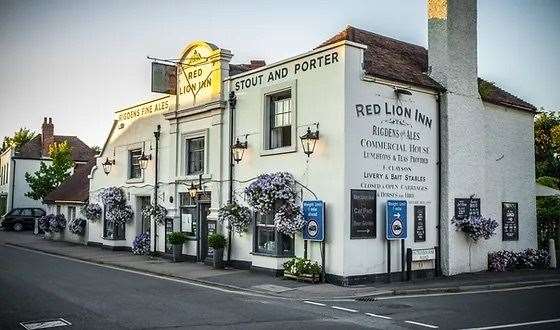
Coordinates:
389 129
15 163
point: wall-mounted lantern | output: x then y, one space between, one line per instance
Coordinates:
143 160
238 150
193 190
107 164
308 140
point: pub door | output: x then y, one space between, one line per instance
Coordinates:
207 227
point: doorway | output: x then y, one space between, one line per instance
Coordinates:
145 225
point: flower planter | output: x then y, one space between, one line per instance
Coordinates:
303 277
177 252
218 259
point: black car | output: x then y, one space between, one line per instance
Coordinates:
21 218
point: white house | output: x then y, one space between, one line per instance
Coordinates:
14 165
395 122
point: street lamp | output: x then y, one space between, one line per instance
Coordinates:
238 149
308 141
107 165
143 160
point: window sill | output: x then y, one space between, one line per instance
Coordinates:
191 177
135 180
261 254
278 151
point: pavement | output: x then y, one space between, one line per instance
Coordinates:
39 288
249 281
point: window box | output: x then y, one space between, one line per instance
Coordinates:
303 277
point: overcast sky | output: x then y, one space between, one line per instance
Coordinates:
79 61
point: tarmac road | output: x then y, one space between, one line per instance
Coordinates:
38 286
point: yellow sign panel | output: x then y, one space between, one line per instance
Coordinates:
143 110
199 74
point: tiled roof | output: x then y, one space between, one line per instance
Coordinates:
408 63
80 151
76 188
240 68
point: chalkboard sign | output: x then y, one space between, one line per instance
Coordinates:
419 223
363 213
510 222
465 207
168 230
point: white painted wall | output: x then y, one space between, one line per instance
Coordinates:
319 98
369 256
21 186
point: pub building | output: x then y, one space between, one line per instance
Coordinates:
391 121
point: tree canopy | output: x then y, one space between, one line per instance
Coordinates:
48 177
19 138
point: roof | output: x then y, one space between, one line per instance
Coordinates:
75 188
80 151
240 68
400 61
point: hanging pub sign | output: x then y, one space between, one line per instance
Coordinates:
419 223
510 221
396 218
164 78
467 207
314 216
363 213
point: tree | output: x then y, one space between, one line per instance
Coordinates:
48 177
547 144
97 149
20 138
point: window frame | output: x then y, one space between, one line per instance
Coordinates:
190 151
266 117
130 164
112 237
184 156
71 211
278 237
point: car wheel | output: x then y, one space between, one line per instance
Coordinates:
18 226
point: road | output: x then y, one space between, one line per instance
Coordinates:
37 286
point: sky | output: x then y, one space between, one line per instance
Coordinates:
80 61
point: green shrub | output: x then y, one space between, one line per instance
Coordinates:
176 238
216 241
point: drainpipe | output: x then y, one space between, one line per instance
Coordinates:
232 102
13 182
156 135
438 256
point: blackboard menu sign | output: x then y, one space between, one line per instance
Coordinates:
419 223
363 213
168 230
510 222
465 207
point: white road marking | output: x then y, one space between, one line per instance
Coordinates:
380 316
512 325
468 292
44 324
423 324
137 272
313 303
345 309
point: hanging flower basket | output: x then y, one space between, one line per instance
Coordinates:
236 216
141 244
52 223
116 209
92 212
276 194
78 227
476 227
157 213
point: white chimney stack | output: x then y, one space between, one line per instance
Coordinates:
452 41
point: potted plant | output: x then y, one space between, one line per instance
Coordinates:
302 269
217 242
176 239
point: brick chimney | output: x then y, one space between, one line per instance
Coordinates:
47 136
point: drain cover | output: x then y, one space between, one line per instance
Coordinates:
44 324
